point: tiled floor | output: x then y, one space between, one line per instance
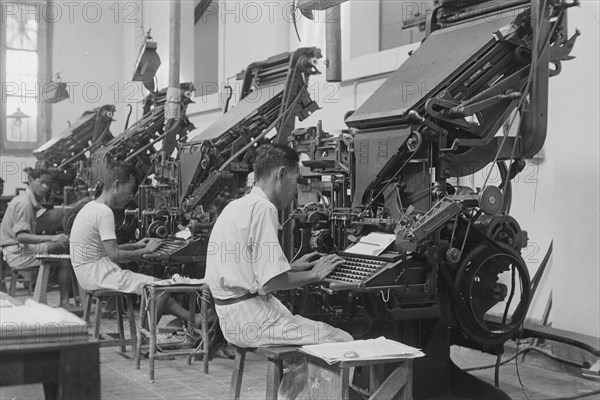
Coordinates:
174 379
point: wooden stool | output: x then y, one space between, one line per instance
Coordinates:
275 357
4 273
15 277
148 314
47 262
107 340
331 381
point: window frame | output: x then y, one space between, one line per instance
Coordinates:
44 75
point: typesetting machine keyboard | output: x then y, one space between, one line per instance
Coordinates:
367 273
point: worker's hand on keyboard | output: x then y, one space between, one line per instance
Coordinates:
325 265
306 262
152 244
142 242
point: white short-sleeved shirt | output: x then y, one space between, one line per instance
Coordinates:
244 251
93 224
20 216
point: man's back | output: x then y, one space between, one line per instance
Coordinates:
93 224
243 250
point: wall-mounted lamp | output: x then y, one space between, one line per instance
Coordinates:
147 64
17 130
310 5
55 91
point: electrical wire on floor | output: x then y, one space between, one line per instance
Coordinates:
526 349
579 396
545 353
517 367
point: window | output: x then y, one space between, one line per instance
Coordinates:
377 26
24 71
392 14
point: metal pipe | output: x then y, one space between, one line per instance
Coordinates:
172 108
174 43
333 39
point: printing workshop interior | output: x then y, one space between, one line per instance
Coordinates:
300 199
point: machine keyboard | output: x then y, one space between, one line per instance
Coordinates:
365 273
166 249
355 269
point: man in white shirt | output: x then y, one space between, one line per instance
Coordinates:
94 249
245 262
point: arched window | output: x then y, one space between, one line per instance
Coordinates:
25 46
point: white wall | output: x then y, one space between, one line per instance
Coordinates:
573 145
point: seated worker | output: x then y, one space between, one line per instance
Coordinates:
94 249
245 262
19 241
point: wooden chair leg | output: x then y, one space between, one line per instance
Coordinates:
238 372
274 376
132 328
32 279
140 332
98 317
120 327
205 338
13 282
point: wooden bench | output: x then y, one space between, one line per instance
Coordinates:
274 356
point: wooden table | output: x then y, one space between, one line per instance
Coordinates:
67 369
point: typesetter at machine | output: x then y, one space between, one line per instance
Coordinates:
67 157
149 144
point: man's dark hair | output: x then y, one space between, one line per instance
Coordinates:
36 173
271 156
122 172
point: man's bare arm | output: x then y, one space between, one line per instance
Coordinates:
117 254
32 238
293 279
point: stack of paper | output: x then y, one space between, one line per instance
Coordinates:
372 244
177 279
360 350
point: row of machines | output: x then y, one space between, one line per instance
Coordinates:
472 97
452 272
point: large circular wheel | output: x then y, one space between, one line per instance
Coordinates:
495 288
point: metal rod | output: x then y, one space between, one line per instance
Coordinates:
333 40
